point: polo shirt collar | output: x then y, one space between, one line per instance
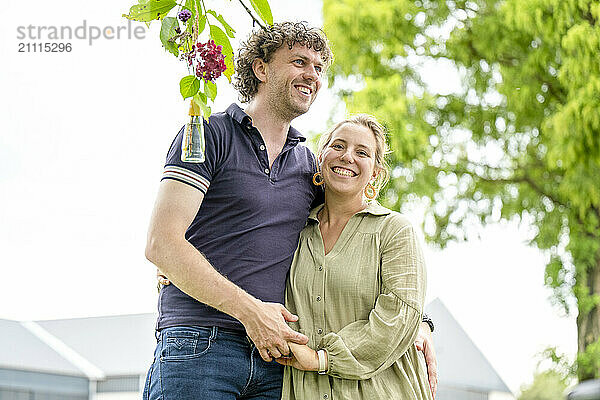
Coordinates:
293 134
238 115
374 208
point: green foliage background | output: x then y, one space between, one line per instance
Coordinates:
547 385
521 139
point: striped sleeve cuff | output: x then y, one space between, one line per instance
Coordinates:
186 176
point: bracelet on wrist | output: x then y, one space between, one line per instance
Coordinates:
428 321
322 356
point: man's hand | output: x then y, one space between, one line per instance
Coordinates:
161 278
424 343
302 357
267 328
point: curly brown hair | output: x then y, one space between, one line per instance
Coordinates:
264 42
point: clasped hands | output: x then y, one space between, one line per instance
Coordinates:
301 357
304 358
274 339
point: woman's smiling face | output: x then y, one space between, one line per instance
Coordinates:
348 160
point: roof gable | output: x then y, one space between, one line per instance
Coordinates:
117 345
460 362
23 350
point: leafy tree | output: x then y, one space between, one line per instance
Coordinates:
520 139
547 385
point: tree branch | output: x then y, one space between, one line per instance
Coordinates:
251 15
515 179
558 93
589 18
527 179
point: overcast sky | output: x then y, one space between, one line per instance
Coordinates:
83 138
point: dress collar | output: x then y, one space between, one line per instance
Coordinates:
374 208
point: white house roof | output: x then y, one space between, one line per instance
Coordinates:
22 350
117 345
460 362
123 345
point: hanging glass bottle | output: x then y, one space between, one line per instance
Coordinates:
193 145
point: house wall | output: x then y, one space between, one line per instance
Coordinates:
501 396
120 384
28 385
118 396
120 388
451 393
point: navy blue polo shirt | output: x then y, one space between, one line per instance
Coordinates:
251 216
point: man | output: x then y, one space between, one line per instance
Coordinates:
225 231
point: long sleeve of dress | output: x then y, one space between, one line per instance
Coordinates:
364 348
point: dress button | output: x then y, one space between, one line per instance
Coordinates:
320 268
262 147
318 298
319 331
267 170
325 396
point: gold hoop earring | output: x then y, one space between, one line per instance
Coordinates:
318 178
370 191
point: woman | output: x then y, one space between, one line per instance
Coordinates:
357 282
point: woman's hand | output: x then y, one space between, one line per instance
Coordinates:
302 357
424 343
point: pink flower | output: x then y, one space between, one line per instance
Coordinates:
209 60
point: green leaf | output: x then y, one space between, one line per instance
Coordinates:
210 89
189 86
221 38
201 24
153 9
263 10
167 31
199 5
200 100
230 31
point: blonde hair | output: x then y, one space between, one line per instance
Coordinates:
381 150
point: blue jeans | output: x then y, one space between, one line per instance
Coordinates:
195 363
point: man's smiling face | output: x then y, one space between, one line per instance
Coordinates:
294 79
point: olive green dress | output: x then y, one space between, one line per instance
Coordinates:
362 302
